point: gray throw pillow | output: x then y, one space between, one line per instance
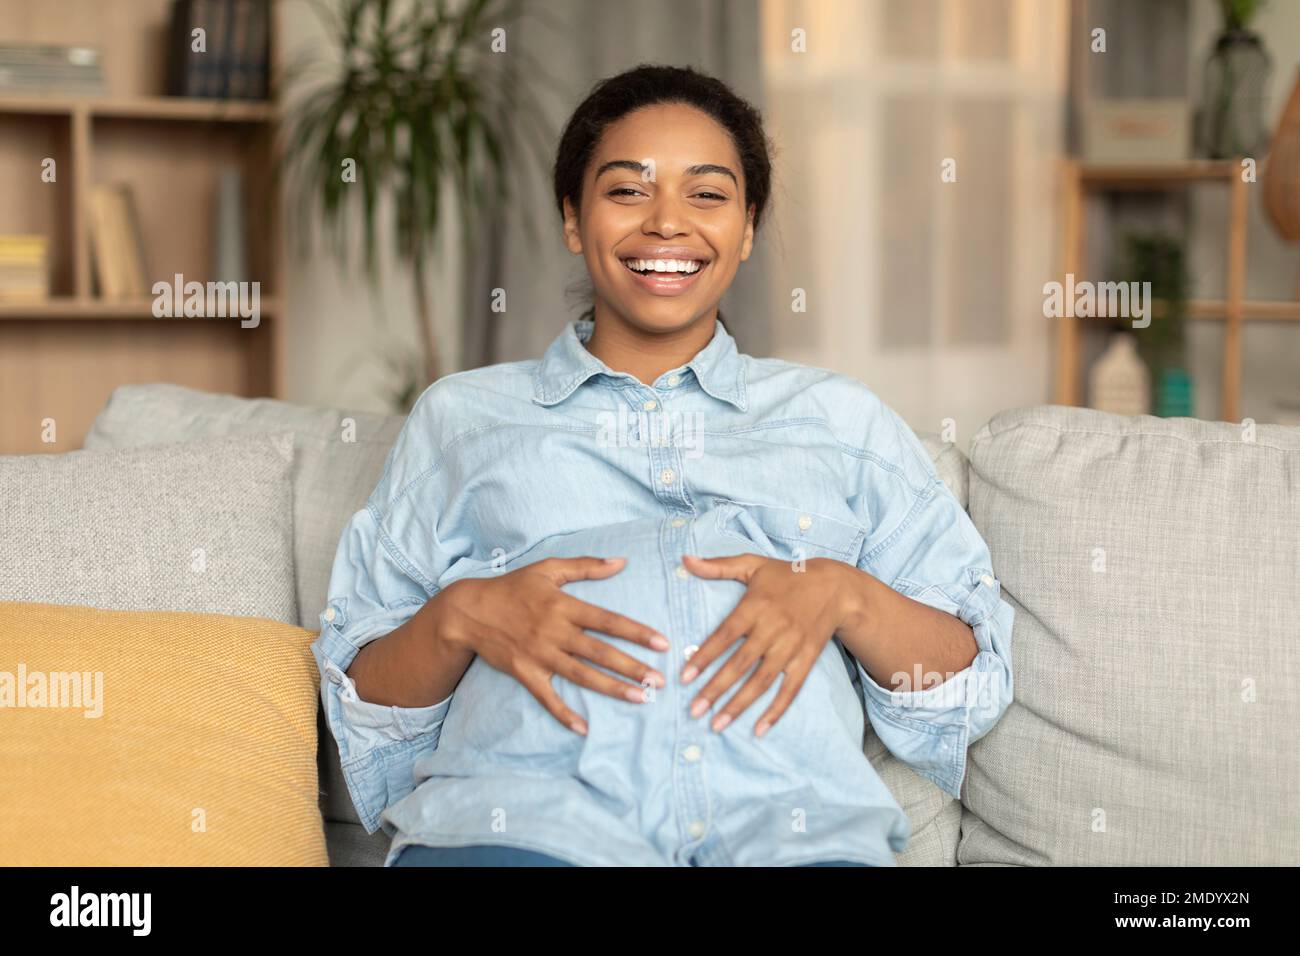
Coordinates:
204 527
338 459
1154 567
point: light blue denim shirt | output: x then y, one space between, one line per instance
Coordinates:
499 467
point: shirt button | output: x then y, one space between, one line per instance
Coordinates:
650 405
678 522
692 753
987 581
667 476
804 522
682 572
329 614
689 651
674 379
696 829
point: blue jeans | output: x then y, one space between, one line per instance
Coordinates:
416 855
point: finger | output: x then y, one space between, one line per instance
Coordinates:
738 567
576 672
757 645
615 625
769 669
598 652
563 570
732 629
538 683
795 675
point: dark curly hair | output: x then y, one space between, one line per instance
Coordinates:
648 85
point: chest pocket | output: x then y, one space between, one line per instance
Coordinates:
789 533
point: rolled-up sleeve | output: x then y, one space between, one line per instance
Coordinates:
375 587
926 547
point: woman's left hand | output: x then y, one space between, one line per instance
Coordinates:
788 614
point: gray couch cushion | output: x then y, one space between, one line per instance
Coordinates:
950 463
338 458
203 527
1153 566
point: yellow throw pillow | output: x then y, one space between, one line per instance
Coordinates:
156 739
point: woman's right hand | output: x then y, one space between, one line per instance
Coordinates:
524 625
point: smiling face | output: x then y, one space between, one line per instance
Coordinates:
663 224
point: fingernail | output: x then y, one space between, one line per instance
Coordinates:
689 673
721 721
655 679
699 707
613 560
659 642
635 694
761 728
578 727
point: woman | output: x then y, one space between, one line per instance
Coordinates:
632 604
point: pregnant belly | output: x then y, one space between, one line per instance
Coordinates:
495 725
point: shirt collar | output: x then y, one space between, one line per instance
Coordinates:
567 364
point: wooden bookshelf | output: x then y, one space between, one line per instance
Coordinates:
60 358
1081 179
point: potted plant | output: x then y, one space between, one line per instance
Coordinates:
1159 258
1236 75
413 98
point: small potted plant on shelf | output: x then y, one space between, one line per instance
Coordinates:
1159 258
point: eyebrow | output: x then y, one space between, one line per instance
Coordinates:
700 169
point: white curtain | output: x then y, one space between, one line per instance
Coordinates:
920 143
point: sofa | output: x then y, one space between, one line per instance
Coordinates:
1154 568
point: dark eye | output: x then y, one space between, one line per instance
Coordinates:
624 191
710 196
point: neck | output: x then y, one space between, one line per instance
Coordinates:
647 355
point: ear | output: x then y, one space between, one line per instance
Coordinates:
572 238
748 243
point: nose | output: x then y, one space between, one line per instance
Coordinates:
666 216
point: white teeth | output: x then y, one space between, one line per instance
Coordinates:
686 266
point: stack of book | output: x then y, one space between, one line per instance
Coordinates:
33 68
115 243
24 273
230 61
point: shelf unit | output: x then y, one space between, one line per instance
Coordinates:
61 357
1079 179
